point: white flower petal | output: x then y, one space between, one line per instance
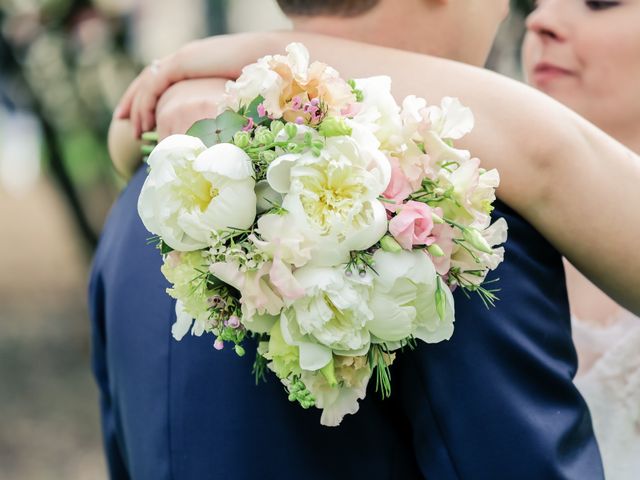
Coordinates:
279 172
225 159
183 322
372 233
314 356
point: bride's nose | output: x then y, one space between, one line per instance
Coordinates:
547 22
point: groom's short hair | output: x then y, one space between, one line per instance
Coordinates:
345 8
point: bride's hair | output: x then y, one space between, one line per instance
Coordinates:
326 7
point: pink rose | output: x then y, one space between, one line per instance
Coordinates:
399 187
413 225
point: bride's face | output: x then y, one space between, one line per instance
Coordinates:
586 54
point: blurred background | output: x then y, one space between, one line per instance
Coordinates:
63 67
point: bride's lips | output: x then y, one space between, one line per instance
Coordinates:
545 72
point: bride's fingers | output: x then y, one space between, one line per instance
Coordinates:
123 109
154 81
141 117
135 117
167 74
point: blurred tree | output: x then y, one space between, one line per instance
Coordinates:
67 61
52 53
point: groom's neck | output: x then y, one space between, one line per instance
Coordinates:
391 24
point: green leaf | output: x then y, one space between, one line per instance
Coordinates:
252 110
218 130
164 248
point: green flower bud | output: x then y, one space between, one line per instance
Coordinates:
476 240
334 127
389 244
276 127
267 156
241 139
293 147
307 138
264 136
435 250
317 144
291 130
239 350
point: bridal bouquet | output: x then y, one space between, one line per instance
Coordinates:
320 217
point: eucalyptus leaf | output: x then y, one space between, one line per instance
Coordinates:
252 110
218 130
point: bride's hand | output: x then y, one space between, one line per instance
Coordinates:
186 102
178 108
213 57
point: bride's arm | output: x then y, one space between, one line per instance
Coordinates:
575 184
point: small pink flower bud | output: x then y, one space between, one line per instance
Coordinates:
233 322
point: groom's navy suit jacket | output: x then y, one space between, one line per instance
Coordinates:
495 402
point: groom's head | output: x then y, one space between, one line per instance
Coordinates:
458 29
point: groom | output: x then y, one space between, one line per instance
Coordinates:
495 402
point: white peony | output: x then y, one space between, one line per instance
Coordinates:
332 317
335 195
192 191
403 300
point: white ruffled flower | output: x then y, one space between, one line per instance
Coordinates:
261 300
379 112
461 258
335 195
336 402
185 321
281 238
332 317
472 191
192 191
403 300
451 120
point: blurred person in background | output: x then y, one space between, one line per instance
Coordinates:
437 425
586 54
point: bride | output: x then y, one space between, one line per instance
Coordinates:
549 158
565 56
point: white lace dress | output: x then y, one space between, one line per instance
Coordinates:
609 380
